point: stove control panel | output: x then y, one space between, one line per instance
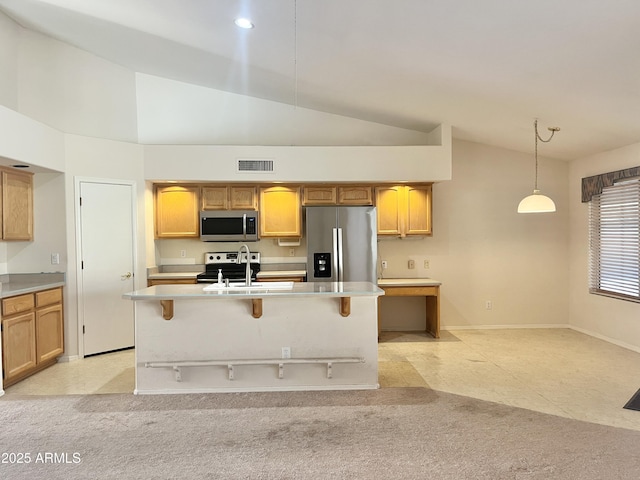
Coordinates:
211 258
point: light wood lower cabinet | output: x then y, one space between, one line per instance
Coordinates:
32 333
18 346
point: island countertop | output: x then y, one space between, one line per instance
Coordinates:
315 289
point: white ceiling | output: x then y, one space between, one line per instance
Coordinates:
487 67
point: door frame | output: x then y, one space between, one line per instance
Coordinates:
78 233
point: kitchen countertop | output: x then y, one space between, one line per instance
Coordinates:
326 289
408 282
160 275
281 273
21 283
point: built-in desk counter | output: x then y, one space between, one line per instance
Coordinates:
416 287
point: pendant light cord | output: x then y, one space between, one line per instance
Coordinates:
553 130
295 54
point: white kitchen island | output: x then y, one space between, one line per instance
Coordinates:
189 340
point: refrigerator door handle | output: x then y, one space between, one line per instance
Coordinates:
335 253
340 258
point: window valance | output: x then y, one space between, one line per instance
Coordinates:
593 185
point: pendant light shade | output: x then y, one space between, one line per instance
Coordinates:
538 203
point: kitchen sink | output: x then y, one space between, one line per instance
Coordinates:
255 286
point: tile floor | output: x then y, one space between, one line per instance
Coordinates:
556 371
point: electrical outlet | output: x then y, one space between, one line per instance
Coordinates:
488 305
384 264
183 253
426 264
286 352
55 259
292 252
411 264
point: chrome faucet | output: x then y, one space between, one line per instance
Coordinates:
247 275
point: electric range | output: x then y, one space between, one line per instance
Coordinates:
231 268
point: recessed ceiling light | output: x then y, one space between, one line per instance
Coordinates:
243 23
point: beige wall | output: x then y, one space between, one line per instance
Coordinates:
481 249
608 318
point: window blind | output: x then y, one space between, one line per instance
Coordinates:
614 238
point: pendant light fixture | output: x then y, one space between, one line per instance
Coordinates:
538 203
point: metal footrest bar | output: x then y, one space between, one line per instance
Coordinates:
230 364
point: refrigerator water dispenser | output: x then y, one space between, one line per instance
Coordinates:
322 265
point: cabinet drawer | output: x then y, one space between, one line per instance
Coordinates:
17 304
48 297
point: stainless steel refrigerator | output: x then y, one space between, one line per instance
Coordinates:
341 244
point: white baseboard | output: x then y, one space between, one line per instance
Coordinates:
628 346
505 327
68 358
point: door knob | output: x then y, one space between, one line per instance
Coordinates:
126 276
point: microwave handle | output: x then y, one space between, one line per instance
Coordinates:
244 227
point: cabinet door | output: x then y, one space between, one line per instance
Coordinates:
355 195
17 206
389 212
280 212
319 195
49 333
215 198
243 198
418 210
177 211
18 345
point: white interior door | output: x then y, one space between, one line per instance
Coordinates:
107 265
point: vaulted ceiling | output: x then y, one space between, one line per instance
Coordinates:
488 67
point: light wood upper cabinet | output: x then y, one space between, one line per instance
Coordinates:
280 212
355 195
177 211
320 195
388 207
418 210
215 198
338 195
16 221
243 198
404 210
235 197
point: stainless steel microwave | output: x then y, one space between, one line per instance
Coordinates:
229 225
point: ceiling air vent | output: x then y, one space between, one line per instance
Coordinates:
256 166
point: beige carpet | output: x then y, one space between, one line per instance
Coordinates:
393 433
